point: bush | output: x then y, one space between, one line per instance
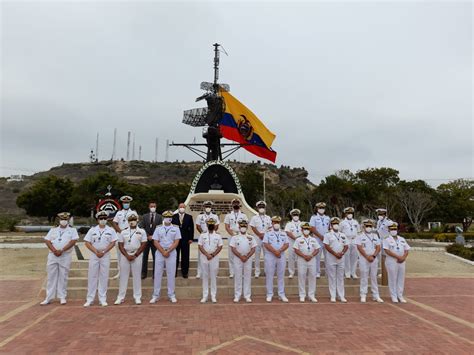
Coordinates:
450 237
420 235
7 224
462 251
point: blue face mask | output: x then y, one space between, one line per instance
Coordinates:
126 206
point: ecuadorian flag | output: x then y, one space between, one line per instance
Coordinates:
240 125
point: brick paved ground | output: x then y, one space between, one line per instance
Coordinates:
438 320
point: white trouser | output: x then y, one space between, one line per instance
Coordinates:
243 271
367 270
335 273
170 263
209 269
306 271
258 252
272 264
136 267
318 256
119 256
199 263
291 258
231 257
98 277
396 277
350 260
57 268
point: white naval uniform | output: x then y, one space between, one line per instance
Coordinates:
351 228
121 218
243 243
295 228
232 220
368 242
201 221
58 267
306 269
261 223
210 242
98 273
321 223
165 235
395 270
132 240
335 266
276 239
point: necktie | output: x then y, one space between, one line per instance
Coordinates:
181 216
152 219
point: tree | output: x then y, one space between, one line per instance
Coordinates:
456 202
252 184
47 197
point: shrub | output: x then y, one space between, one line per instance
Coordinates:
462 251
7 223
450 237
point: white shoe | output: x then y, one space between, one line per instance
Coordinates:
333 300
291 276
104 304
283 299
269 299
313 299
394 300
203 300
138 301
173 300
257 276
44 303
318 276
118 301
198 276
62 301
379 300
354 277
213 300
154 300
363 299
402 300
236 300
348 276
87 304
248 300
302 299
231 276
343 300
116 276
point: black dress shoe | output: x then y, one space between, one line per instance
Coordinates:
143 277
185 276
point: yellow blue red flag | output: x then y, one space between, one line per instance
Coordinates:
239 124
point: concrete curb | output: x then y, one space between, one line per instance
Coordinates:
460 259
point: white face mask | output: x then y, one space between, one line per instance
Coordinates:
350 215
306 231
63 222
243 230
181 210
296 218
335 227
393 233
208 210
102 222
380 217
261 210
126 206
368 229
276 226
152 209
133 223
321 210
167 220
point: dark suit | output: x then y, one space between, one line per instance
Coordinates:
149 228
186 228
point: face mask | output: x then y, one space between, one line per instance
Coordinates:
210 227
321 210
208 210
276 226
102 222
393 233
181 210
63 222
167 220
133 223
349 216
335 227
152 209
368 229
243 230
306 231
261 210
126 206
380 217
296 218
236 207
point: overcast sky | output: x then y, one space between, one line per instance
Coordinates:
343 85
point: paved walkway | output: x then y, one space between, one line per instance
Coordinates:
438 319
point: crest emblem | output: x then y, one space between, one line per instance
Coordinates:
245 128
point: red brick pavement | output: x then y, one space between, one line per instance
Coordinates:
190 327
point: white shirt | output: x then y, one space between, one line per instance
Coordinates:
306 245
368 242
320 222
350 227
336 241
202 219
166 235
100 238
121 218
382 227
132 239
210 242
243 243
294 227
397 246
262 223
233 218
60 237
276 238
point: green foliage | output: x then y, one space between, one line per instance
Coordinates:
8 223
450 237
252 184
462 251
456 202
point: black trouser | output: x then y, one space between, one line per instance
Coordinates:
183 250
149 245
